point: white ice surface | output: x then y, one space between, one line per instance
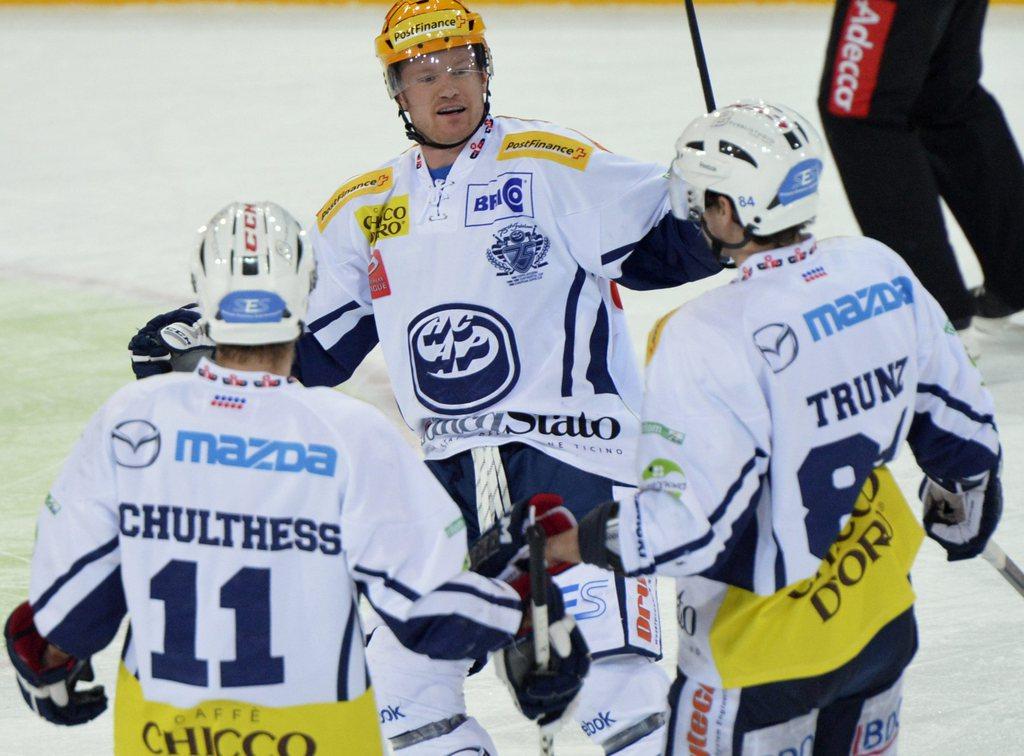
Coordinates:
123 129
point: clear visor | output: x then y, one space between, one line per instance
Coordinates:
458 64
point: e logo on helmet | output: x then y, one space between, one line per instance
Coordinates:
800 182
253 306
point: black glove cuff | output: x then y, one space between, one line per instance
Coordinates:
593 537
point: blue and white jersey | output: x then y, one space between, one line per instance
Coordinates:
770 404
232 515
491 291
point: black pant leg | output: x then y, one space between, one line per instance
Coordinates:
884 165
973 155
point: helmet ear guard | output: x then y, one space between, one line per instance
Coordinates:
765 158
252 272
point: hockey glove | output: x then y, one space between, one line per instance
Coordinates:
50 691
169 342
501 551
546 696
962 514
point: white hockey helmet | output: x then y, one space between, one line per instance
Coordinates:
253 270
765 158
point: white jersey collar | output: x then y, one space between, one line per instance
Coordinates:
210 372
765 263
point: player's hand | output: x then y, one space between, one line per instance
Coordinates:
501 550
962 515
171 341
49 688
546 696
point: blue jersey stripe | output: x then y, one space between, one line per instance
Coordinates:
496 600
344 660
597 371
735 487
617 254
571 305
956 404
325 320
77 567
389 583
93 622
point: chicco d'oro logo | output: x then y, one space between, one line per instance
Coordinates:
464 358
135 443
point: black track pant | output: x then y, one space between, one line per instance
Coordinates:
907 121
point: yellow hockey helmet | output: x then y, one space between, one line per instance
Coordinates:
419 27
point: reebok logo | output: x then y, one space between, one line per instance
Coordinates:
859 56
601 722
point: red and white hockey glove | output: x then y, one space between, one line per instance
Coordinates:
501 551
50 690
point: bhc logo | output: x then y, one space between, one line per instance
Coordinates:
508 196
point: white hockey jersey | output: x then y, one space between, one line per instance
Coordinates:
771 408
491 294
232 516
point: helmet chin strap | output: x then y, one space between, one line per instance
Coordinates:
417 136
717 245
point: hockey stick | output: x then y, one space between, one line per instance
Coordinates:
698 53
536 540
1005 566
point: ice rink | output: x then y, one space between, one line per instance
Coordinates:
123 129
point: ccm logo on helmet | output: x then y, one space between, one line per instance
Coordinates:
249 220
858 57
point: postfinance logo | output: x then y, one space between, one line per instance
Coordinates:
373 182
546 146
426 26
385 221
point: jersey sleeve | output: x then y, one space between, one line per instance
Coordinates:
953 434
703 452
75 589
616 212
405 542
340 328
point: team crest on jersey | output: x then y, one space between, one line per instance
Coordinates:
464 358
778 345
508 196
519 252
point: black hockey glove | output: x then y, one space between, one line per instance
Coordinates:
501 551
169 342
962 514
50 692
545 696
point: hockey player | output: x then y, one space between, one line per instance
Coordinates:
484 259
232 514
772 408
